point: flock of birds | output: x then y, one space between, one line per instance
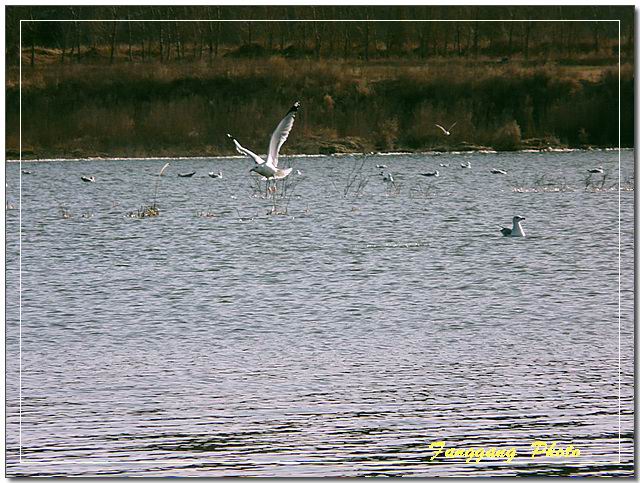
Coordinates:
269 169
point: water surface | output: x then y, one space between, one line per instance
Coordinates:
338 339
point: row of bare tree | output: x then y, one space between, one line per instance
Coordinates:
160 33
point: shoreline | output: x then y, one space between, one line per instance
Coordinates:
334 155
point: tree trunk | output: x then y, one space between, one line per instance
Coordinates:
63 28
142 39
130 52
476 39
527 33
114 32
366 40
345 51
218 31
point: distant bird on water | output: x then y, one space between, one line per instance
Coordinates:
381 166
447 132
215 175
269 168
444 165
88 179
517 230
598 170
186 175
465 165
498 171
430 173
26 171
386 177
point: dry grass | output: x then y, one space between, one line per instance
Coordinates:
186 108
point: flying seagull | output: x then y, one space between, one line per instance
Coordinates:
269 168
498 171
517 228
430 173
447 132
596 170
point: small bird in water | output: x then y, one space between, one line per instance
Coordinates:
387 178
498 171
381 166
447 132
186 175
26 171
465 165
298 172
88 179
215 175
598 170
517 230
444 165
430 173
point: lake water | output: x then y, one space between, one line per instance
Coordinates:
340 339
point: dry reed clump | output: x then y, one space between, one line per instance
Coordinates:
145 212
387 134
508 137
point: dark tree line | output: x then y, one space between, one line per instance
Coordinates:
170 39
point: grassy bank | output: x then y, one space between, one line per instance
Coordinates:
153 109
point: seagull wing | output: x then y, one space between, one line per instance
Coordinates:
443 129
281 133
245 151
453 125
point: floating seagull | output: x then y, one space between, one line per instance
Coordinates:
447 132
298 172
269 168
444 165
431 173
186 175
216 175
26 171
596 170
88 179
467 165
387 178
517 228
381 166
498 171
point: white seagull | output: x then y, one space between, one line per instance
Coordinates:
498 171
387 178
447 132
596 170
444 165
269 168
215 175
467 165
517 228
88 179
